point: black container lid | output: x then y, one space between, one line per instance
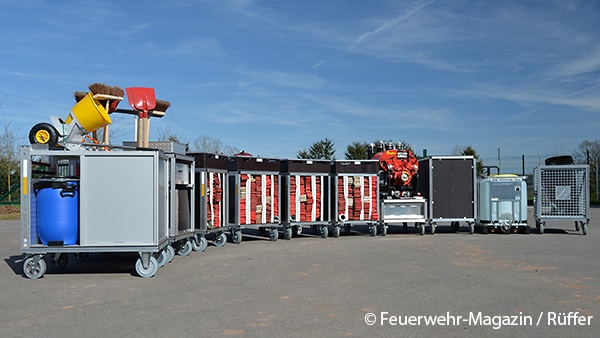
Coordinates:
210 160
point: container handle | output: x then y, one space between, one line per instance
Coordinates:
69 190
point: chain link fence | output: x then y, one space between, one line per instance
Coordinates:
524 165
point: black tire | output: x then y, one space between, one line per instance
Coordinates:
336 231
43 133
505 229
287 234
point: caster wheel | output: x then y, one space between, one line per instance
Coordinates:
373 230
471 229
59 260
576 225
162 257
170 253
273 235
336 232
220 240
236 236
287 234
149 271
324 231
298 229
432 227
421 229
199 243
185 248
383 230
584 228
34 267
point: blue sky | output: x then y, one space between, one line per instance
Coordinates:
273 77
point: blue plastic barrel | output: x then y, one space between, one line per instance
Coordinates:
57 211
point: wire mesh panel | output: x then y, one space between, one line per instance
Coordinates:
561 192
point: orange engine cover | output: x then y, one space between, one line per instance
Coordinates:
400 164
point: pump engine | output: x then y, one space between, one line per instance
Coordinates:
399 169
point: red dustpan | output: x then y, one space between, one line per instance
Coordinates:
143 100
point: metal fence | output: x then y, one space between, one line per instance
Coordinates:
524 165
520 165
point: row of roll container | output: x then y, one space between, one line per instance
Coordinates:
160 201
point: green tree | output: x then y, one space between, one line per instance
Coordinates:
356 151
320 150
469 151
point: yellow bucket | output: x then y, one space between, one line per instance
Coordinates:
90 114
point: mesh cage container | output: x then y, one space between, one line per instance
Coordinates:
561 192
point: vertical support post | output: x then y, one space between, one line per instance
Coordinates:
596 179
499 166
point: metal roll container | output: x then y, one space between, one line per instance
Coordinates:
562 193
305 195
448 184
181 198
254 195
355 195
211 201
122 206
181 203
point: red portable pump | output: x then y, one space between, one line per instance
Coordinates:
400 167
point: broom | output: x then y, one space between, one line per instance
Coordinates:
104 89
161 107
79 96
110 105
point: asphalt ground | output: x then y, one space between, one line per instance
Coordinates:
451 284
